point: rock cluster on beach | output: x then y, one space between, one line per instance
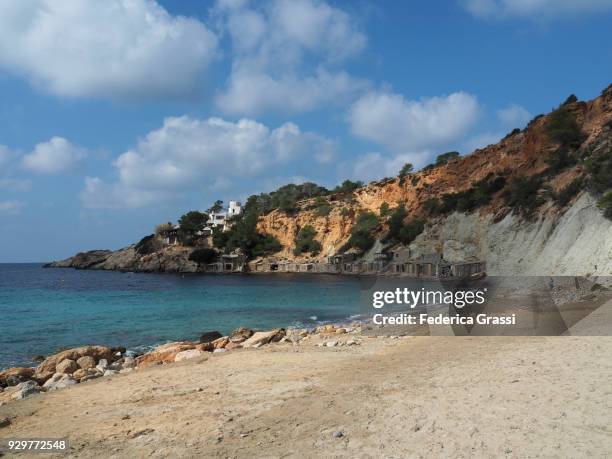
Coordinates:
81 364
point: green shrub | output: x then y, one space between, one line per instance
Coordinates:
243 234
362 237
345 212
605 204
384 209
189 225
446 157
410 231
396 222
321 207
265 245
599 168
432 206
478 195
570 100
400 231
566 194
562 127
203 256
405 170
305 241
560 159
414 180
347 187
522 194
512 133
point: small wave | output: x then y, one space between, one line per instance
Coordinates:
313 318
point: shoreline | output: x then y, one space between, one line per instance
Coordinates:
435 396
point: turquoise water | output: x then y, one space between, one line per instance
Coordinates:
42 310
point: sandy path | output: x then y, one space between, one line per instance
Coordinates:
409 397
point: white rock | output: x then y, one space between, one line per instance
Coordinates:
129 362
331 343
219 350
103 363
188 354
59 381
23 390
110 372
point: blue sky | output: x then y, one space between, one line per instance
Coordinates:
116 115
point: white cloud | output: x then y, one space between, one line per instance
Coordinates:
251 92
112 48
285 56
535 9
375 166
406 125
52 157
188 154
514 116
11 207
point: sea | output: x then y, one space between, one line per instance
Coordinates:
43 310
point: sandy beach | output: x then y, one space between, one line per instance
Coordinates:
387 397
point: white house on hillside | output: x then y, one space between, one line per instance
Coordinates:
216 219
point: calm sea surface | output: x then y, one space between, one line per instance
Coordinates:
42 310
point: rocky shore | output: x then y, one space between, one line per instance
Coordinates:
82 364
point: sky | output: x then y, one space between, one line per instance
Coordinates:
116 115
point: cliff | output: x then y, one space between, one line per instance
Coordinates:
562 236
569 238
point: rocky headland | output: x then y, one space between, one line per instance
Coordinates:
530 204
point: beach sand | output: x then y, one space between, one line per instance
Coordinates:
420 396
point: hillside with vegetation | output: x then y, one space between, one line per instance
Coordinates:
529 180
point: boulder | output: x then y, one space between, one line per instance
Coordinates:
205 347
241 334
220 343
47 368
110 372
231 345
66 366
16 375
129 362
188 354
261 338
86 362
164 353
21 391
90 376
210 336
117 365
59 381
79 374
